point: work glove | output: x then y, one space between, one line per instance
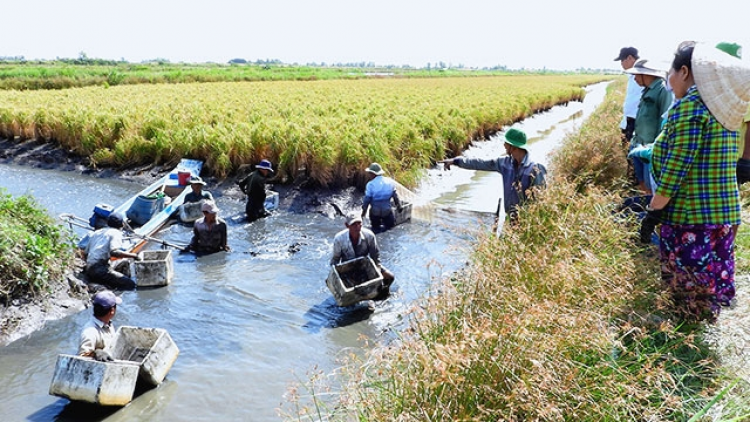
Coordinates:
743 171
643 152
102 356
648 224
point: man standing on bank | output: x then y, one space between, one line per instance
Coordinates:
254 186
98 334
378 193
356 241
627 58
520 175
655 101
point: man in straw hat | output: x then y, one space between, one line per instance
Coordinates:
209 232
520 175
694 164
198 193
254 186
378 194
654 103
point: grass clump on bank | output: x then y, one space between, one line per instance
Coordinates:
564 318
34 250
328 130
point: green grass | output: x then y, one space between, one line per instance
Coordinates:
34 249
62 75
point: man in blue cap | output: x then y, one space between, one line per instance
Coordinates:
520 174
98 334
254 186
104 244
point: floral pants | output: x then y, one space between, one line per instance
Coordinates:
697 265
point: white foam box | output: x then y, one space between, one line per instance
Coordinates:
155 269
191 211
404 215
355 280
152 349
272 200
84 379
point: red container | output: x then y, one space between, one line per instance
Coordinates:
183 177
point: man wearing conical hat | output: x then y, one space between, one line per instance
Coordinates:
378 194
520 175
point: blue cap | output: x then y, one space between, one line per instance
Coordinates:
115 220
106 299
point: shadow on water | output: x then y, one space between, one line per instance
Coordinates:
329 315
147 398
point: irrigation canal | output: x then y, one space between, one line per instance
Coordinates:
253 322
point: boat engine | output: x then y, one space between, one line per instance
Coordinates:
99 217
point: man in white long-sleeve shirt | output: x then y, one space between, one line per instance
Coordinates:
627 58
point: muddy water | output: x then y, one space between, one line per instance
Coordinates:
252 322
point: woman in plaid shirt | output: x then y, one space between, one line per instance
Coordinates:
696 197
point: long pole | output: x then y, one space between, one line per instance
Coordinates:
72 221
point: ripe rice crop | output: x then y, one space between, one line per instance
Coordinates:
328 130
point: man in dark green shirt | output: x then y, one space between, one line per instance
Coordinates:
254 186
652 108
198 194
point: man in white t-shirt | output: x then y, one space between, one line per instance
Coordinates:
104 244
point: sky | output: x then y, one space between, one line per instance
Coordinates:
531 34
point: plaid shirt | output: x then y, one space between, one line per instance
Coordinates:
694 163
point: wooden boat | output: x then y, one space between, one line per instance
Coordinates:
169 192
173 187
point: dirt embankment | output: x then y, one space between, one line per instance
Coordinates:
20 317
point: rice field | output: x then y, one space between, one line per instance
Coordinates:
327 131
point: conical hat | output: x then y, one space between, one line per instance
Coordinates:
723 82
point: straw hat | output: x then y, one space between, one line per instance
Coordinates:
724 84
375 169
642 67
265 165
